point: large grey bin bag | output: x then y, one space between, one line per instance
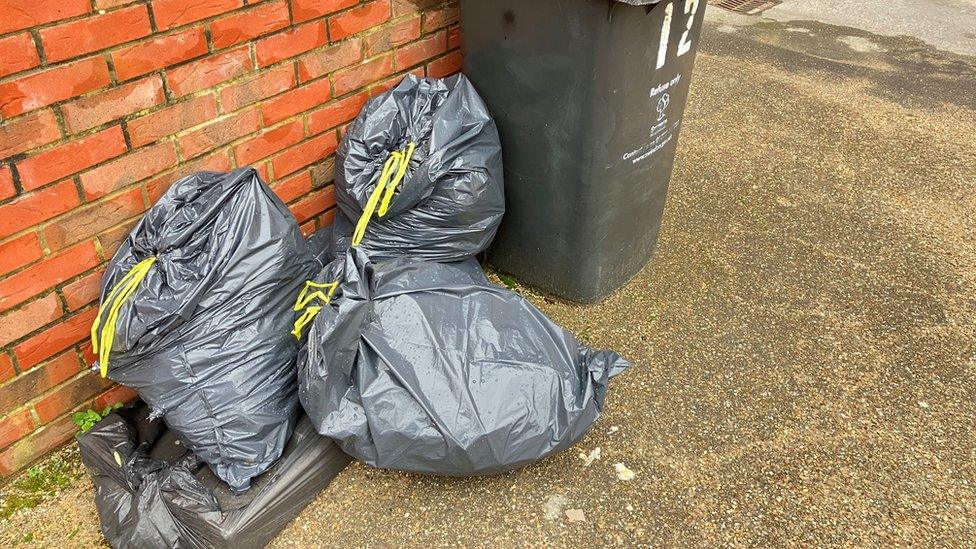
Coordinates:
203 335
428 367
152 493
450 200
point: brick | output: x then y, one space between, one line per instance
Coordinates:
17 53
243 26
28 132
19 252
422 50
303 154
412 7
106 4
390 83
390 37
7 188
18 15
116 395
216 162
41 276
95 33
359 19
303 10
220 132
95 110
313 204
330 59
135 166
356 77
27 318
6 367
172 119
88 358
70 396
335 113
290 43
41 89
454 37
445 66
326 218
90 220
15 427
262 169
33 208
83 291
209 71
70 158
261 86
173 13
323 173
57 338
32 448
159 53
111 239
440 18
295 101
293 187
38 380
269 143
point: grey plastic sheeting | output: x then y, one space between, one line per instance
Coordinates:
427 367
452 200
151 493
205 338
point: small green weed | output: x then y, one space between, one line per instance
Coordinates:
509 281
87 419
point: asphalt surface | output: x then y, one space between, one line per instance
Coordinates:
948 25
804 339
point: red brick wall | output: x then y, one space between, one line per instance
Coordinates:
104 103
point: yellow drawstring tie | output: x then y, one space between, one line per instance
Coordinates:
305 298
393 173
394 170
113 303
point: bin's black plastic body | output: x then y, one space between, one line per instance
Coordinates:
588 96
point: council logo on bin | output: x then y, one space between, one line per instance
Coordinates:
662 105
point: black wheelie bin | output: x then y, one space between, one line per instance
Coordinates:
588 96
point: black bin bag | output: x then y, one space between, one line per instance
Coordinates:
419 173
428 367
196 317
152 493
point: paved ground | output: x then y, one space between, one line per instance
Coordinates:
804 339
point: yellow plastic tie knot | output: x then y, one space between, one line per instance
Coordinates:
120 293
312 291
394 170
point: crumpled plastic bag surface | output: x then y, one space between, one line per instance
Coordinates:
428 367
451 200
151 493
204 338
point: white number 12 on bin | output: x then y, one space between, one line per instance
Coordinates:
684 45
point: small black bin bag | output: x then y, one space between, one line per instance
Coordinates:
151 493
451 199
428 367
204 336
